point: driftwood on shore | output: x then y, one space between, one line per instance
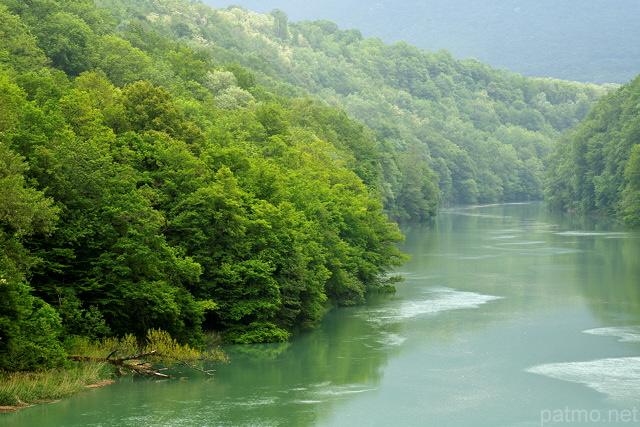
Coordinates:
4 409
140 363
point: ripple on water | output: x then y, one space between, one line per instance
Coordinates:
256 402
504 237
619 378
624 333
522 243
390 339
325 391
605 234
436 300
480 215
531 250
344 390
471 257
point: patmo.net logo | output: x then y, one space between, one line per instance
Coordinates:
586 416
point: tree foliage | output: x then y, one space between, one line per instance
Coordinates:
448 110
164 166
204 202
29 327
595 166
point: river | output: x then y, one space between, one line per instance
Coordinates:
509 316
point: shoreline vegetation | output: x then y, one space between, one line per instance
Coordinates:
101 362
19 390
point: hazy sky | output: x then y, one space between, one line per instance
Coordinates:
587 40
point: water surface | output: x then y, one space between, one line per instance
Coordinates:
509 316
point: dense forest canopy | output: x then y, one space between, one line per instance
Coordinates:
596 166
453 116
146 185
577 40
164 165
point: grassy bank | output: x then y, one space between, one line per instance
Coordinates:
19 390
141 357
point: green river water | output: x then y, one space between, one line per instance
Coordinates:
509 316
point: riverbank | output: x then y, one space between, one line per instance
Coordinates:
22 390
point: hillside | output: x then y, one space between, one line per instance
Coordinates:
484 132
576 40
596 166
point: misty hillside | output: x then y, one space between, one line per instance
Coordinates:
484 132
590 41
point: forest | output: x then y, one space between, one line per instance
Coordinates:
595 167
168 166
575 40
456 116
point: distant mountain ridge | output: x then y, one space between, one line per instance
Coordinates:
577 40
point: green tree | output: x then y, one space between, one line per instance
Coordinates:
29 328
67 40
122 63
418 192
588 171
18 47
215 226
188 64
151 108
281 24
631 194
105 98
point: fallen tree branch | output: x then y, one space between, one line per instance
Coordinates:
138 364
157 353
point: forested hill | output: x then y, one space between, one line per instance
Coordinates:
145 185
579 40
166 166
484 132
596 167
